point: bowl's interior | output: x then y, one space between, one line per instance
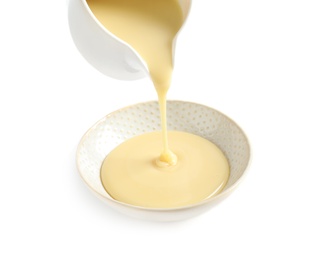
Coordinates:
137 119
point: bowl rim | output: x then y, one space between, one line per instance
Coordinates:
172 209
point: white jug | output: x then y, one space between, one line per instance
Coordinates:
106 52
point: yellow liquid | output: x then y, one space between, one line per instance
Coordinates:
132 175
153 175
149 26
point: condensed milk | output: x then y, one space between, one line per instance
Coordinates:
161 169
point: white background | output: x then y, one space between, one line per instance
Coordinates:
248 59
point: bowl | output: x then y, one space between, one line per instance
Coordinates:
141 118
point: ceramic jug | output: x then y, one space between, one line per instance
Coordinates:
102 49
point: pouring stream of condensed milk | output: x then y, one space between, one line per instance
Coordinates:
150 28
139 175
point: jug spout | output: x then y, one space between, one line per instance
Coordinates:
102 49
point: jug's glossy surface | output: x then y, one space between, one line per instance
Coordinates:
106 52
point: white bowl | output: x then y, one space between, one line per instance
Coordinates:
137 119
